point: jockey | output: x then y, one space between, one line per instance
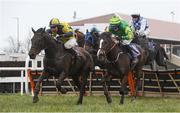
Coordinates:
62 31
94 30
121 29
139 25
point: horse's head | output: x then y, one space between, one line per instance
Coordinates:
106 44
38 42
91 40
80 37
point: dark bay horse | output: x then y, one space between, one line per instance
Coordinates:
92 46
59 62
118 63
155 51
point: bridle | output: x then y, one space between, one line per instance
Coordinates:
113 46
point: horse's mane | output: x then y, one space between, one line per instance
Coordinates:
45 32
107 34
40 30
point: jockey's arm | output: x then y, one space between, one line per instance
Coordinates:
67 30
68 34
143 26
131 25
128 34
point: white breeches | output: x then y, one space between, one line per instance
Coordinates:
70 43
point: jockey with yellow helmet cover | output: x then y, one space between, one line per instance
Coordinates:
62 31
120 28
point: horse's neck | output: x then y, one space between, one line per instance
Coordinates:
96 43
53 48
80 34
114 52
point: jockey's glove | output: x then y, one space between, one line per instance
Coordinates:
137 33
60 37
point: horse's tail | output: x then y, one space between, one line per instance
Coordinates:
160 55
143 54
164 53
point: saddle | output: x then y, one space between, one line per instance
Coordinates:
78 53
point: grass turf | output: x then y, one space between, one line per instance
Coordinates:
67 103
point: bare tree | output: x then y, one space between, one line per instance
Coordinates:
12 48
21 47
27 42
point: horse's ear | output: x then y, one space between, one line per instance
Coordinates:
33 30
44 29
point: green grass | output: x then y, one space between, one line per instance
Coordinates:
17 103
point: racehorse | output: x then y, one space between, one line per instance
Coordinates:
80 37
118 63
59 62
155 51
92 45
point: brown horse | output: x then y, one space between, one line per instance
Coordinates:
118 63
154 51
92 46
59 62
80 37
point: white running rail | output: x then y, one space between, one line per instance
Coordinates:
23 78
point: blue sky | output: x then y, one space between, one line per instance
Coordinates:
37 13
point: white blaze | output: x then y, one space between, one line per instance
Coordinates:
101 41
100 46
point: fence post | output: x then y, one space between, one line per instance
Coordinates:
22 81
26 75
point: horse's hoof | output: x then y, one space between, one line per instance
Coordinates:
35 99
63 91
133 99
79 103
109 100
121 101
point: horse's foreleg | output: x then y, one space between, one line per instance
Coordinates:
62 76
123 88
106 91
82 89
37 88
138 81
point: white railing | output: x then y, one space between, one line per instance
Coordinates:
23 78
20 79
34 67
